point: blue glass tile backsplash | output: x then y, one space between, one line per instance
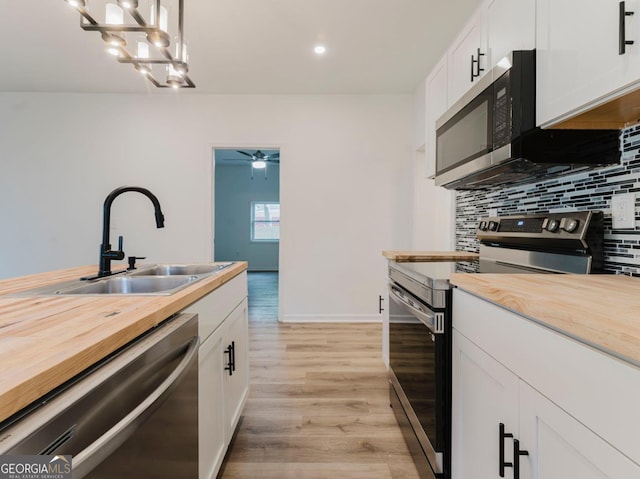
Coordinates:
589 190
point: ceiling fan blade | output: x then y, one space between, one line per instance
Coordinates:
275 156
245 153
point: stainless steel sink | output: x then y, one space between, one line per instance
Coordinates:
152 280
179 269
134 285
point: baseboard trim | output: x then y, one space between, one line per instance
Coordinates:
331 318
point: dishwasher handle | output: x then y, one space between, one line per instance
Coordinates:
433 321
86 460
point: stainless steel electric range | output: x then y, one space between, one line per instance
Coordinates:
420 316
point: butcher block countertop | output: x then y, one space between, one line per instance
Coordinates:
600 310
428 256
47 340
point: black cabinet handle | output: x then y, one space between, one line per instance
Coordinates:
622 40
502 437
476 62
230 366
233 356
472 62
517 452
380 308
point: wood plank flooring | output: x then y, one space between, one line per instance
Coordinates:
318 406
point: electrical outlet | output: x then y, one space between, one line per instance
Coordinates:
623 211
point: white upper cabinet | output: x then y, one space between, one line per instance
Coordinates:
510 26
436 105
467 57
579 60
496 28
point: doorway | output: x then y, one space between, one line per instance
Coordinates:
247 221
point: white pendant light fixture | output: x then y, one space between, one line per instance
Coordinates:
124 23
258 164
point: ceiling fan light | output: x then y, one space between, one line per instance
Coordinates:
258 164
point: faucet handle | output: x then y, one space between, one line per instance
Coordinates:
132 261
120 241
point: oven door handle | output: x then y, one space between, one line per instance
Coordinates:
433 321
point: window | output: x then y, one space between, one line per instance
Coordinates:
265 221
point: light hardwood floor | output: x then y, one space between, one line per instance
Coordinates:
318 405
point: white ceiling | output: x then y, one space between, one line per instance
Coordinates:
242 46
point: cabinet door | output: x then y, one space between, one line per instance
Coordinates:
460 55
560 447
211 411
436 105
511 25
578 63
485 394
236 387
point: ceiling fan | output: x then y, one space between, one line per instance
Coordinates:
259 159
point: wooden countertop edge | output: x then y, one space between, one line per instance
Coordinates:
152 311
428 256
596 324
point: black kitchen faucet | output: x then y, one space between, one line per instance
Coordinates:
106 253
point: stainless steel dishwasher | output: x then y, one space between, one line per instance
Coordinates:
133 415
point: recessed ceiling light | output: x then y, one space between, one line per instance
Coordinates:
320 49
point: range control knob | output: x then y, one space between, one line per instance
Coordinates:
482 226
493 226
569 224
552 225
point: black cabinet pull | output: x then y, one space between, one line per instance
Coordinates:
230 366
502 437
472 62
476 62
622 40
233 356
380 308
517 452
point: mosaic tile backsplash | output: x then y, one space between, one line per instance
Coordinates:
589 190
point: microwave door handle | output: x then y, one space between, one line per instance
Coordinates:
86 460
428 318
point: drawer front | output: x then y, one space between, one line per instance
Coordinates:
213 308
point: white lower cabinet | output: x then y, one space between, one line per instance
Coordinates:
510 371
485 394
223 370
560 447
236 371
211 411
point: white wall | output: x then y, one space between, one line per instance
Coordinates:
344 198
234 191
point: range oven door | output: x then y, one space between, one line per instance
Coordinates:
418 351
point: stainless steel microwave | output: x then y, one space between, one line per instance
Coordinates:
489 137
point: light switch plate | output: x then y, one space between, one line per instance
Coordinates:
623 211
